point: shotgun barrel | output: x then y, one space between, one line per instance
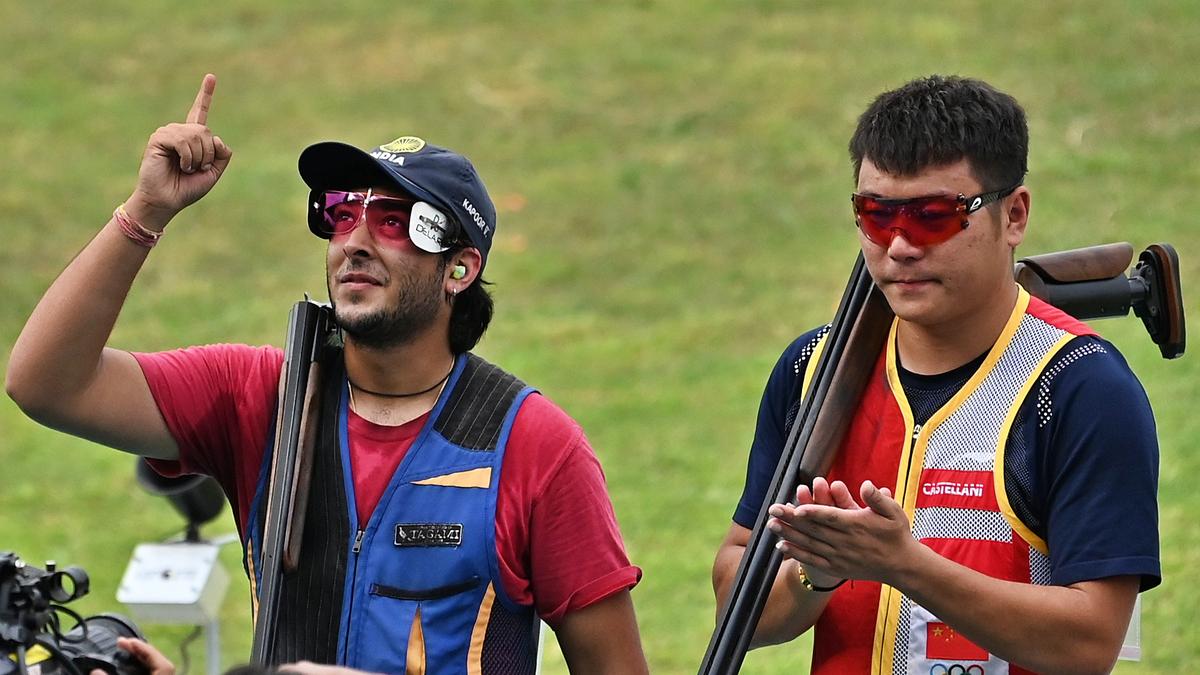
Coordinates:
859 327
308 324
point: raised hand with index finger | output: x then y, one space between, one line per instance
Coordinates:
182 162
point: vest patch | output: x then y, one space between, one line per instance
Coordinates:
958 489
943 642
428 534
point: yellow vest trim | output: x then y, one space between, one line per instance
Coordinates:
998 473
818 349
479 632
889 599
253 584
474 478
415 662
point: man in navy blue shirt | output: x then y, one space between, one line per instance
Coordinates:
993 506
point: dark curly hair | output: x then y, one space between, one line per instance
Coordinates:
938 120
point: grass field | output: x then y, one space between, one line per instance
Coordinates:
672 182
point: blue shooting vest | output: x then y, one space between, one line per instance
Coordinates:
417 587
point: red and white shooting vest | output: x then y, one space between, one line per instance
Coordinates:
948 474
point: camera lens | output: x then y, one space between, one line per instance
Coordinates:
93 644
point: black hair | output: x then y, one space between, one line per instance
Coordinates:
470 312
938 120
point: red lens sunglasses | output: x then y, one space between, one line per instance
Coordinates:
390 220
922 221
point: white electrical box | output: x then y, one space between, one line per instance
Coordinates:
174 583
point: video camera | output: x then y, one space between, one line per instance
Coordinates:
31 634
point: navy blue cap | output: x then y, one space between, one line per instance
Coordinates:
430 173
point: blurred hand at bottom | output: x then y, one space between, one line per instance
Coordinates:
147 655
310 668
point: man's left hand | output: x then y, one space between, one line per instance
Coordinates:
828 533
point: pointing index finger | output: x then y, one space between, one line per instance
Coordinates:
199 112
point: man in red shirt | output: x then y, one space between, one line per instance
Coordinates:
463 503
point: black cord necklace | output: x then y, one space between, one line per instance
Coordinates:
426 390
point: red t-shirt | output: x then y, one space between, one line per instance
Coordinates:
557 540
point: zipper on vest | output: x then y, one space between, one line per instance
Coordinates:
358 539
912 445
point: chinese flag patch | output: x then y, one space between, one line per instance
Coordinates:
943 642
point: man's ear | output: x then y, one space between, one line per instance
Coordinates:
463 270
1017 216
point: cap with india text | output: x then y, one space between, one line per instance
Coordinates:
442 177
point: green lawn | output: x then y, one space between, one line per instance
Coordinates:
672 181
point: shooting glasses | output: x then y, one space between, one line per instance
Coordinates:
390 220
922 221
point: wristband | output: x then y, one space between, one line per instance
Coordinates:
135 231
810 586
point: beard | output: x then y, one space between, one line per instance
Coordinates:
413 310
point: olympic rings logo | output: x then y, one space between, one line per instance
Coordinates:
956 669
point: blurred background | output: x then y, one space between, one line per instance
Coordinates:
672 182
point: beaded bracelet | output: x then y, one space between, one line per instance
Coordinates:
138 233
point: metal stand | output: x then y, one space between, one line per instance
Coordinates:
212 646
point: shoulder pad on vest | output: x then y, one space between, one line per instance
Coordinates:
474 414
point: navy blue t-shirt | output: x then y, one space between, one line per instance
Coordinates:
1081 466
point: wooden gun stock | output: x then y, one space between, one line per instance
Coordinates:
1081 264
1090 283
867 336
309 423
